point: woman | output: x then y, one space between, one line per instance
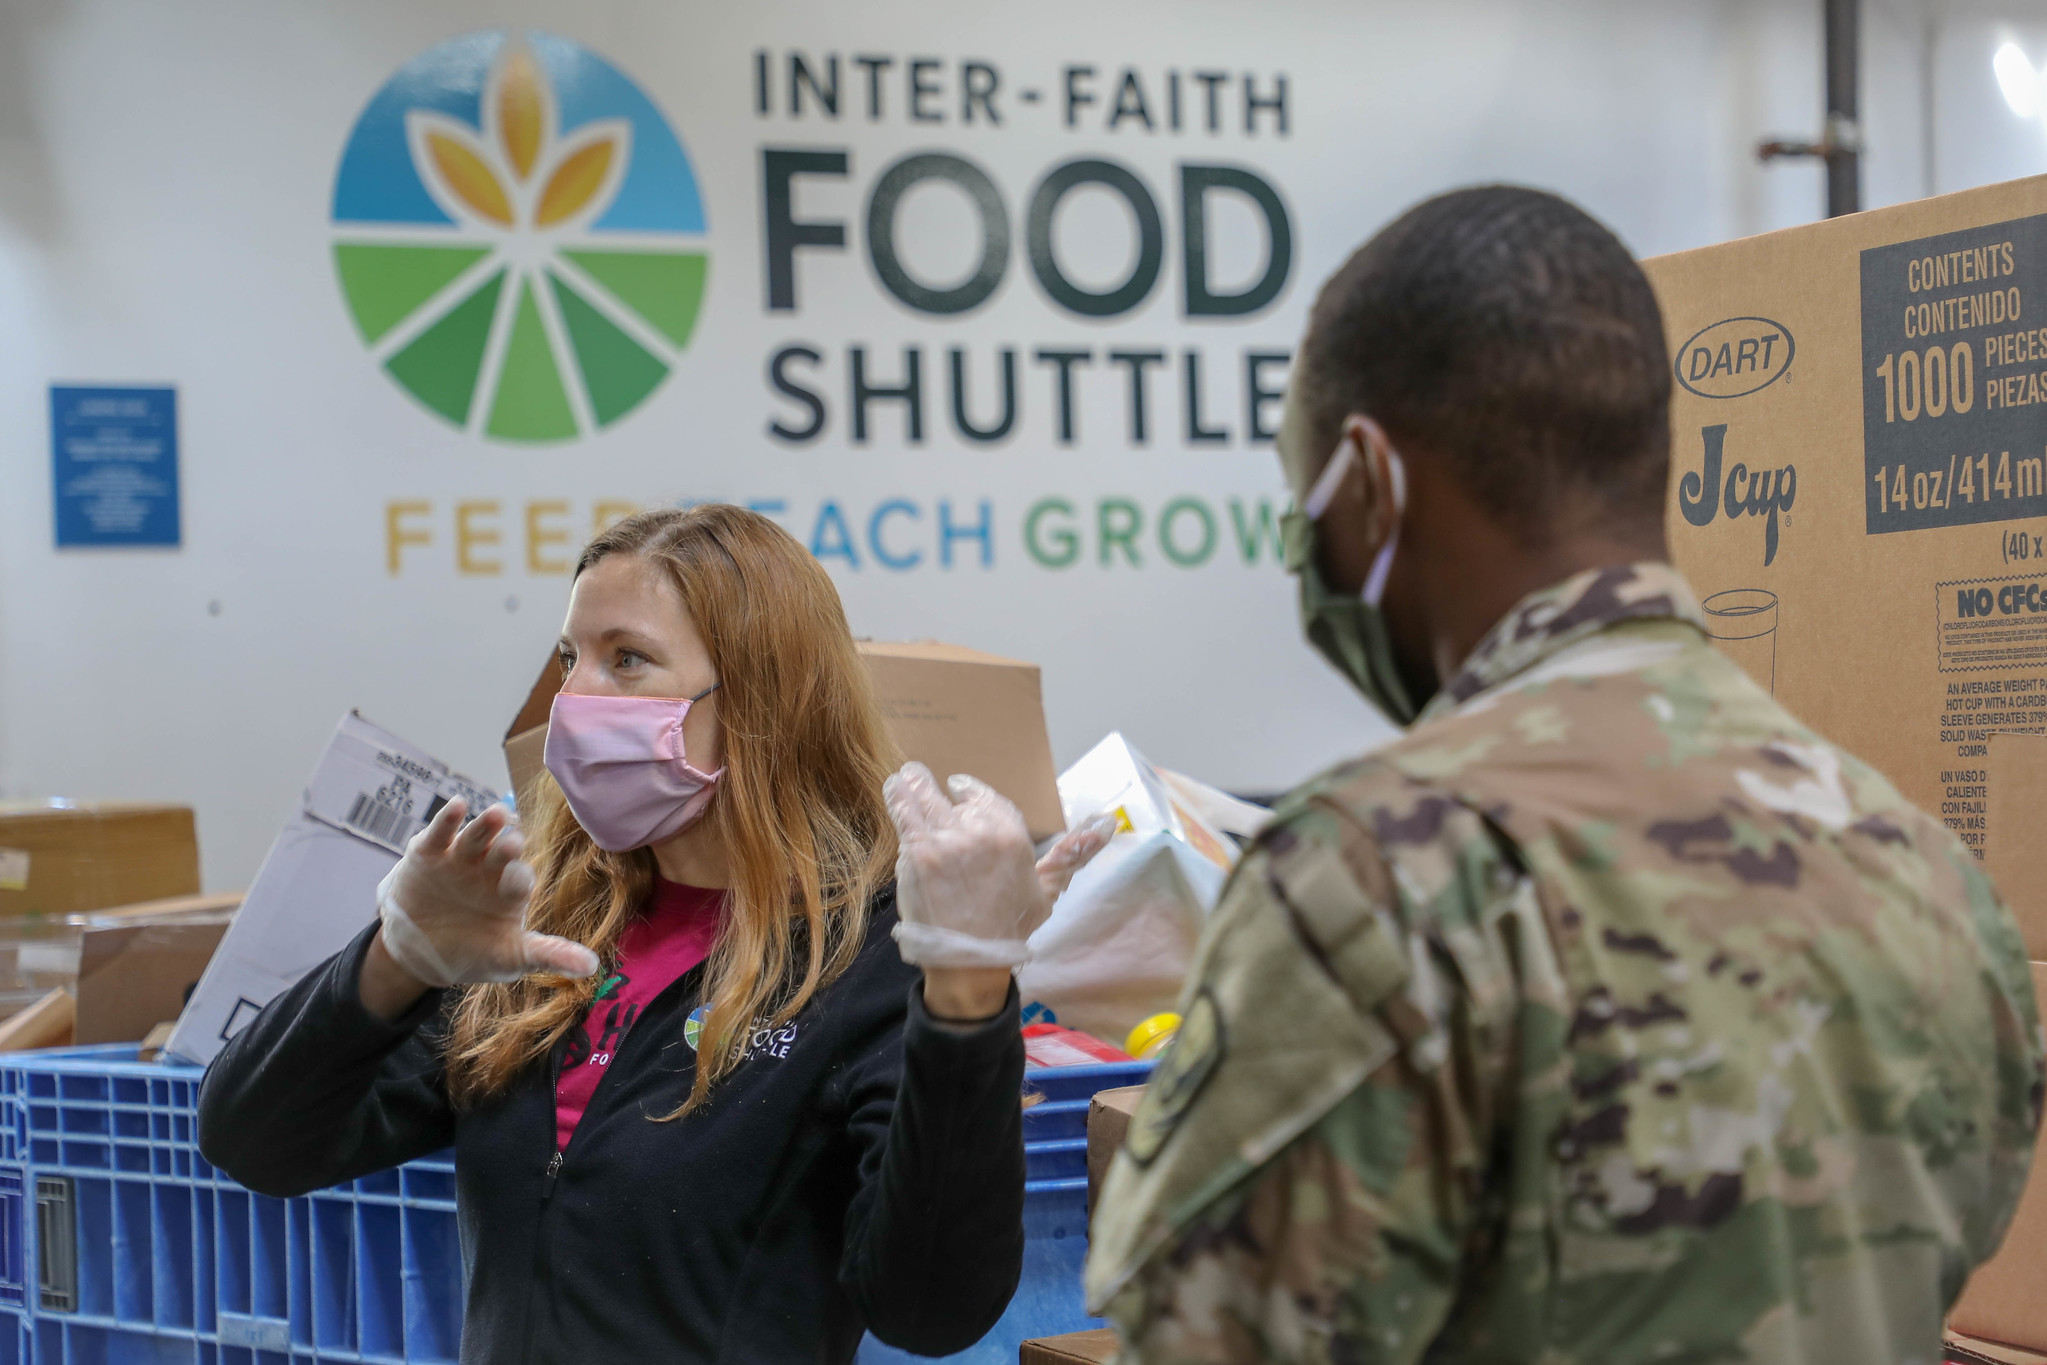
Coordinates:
702 1108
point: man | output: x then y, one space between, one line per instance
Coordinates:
1611 1014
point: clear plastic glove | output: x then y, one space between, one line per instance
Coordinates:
454 909
1074 850
968 892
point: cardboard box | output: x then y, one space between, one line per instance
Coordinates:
135 976
957 710
1859 473
2002 1301
39 954
526 739
953 709
60 857
1108 1124
1089 1347
2015 792
370 793
1963 1350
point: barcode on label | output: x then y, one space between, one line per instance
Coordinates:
374 818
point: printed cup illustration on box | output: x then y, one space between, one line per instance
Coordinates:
1743 622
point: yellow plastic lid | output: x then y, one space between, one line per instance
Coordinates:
1153 1034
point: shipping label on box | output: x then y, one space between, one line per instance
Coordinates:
1859 476
369 794
376 786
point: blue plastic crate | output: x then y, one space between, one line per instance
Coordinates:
13 1250
119 1243
1063 1094
1048 1298
1067 1084
169 1260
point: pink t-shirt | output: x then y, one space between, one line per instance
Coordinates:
672 935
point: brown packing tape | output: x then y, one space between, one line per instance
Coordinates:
954 709
1087 1347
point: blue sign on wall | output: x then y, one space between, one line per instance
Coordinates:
114 468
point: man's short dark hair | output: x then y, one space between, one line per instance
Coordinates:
1509 332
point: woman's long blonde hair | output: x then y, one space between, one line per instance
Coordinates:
799 809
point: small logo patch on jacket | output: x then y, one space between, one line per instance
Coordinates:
765 1040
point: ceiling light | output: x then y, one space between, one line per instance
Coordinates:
2019 81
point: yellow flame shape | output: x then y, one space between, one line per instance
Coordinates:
470 177
520 114
575 181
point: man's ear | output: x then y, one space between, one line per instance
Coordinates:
1376 478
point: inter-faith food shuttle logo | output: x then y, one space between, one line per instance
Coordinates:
519 236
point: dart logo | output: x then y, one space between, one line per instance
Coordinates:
519 237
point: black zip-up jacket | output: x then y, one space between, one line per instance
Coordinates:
862 1168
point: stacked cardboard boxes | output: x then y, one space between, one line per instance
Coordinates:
59 859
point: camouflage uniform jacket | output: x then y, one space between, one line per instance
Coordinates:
1610 1015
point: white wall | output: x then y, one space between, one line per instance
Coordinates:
165 174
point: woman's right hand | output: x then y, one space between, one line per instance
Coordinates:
454 909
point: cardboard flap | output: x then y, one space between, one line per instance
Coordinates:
957 710
1075 1348
936 649
132 978
1108 1124
317 886
2015 795
1967 1350
539 702
170 908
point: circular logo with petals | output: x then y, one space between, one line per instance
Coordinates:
519 236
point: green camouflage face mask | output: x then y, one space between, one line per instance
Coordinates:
1347 631
1350 632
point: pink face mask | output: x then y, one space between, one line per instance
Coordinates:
620 763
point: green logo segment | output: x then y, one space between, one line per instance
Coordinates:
519 238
